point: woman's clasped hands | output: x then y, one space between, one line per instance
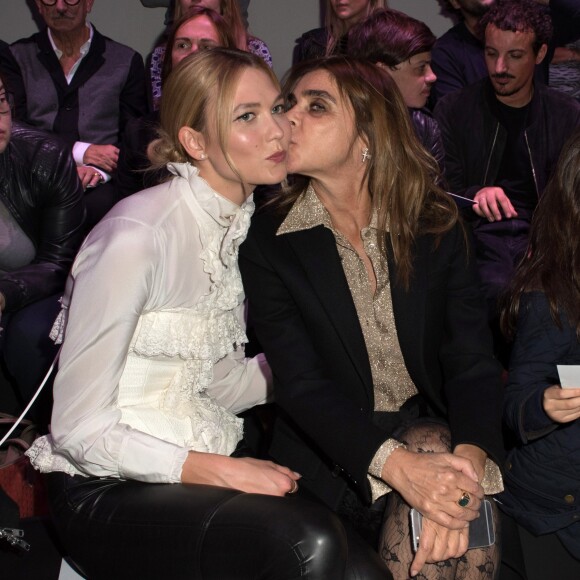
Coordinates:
434 484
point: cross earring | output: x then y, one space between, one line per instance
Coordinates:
365 154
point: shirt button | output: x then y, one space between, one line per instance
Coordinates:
569 498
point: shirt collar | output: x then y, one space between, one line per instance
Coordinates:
309 212
218 207
84 48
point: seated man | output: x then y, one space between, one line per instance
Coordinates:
458 59
502 138
41 222
82 86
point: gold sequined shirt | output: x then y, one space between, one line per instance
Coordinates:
392 384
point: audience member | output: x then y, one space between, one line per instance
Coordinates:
543 314
199 28
83 87
229 9
145 455
41 217
364 296
458 58
341 15
402 46
502 138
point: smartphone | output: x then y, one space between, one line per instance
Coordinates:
481 530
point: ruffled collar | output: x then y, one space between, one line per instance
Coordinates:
220 209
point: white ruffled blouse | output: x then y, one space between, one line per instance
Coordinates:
153 363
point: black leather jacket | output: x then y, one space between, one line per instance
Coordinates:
39 186
429 134
474 140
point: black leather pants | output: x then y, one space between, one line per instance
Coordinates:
129 529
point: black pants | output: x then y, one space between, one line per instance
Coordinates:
129 529
28 353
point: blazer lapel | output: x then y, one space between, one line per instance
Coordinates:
92 62
50 62
315 248
409 311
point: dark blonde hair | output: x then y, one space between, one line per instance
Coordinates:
230 12
337 28
401 174
199 91
552 263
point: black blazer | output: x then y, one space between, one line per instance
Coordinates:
306 321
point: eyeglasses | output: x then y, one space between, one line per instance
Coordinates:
6 103
67 2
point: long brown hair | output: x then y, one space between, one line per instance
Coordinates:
220 25
401 174
552 263
230 12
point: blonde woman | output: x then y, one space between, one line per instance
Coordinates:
147 474
341 15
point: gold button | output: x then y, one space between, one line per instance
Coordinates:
569 498
509 465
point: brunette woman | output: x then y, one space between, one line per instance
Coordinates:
364 295
542 314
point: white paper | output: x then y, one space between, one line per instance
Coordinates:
569 376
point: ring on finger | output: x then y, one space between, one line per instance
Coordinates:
464 500
294 487
97 175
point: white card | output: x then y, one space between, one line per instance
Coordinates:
569 376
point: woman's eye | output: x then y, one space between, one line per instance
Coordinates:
182 45
206 45
246 117
278 109
317 107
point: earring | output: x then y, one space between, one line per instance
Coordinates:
365 154
202 156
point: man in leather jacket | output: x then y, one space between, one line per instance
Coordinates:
502 138
42 212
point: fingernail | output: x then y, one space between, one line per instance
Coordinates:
414 573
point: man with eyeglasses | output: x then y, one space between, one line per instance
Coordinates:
82 86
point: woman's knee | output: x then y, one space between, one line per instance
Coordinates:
283 537
427 437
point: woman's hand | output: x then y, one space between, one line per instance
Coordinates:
562 405
438 543
476 455
433 483
243 473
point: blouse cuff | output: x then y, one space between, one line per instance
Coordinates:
375 471
492 482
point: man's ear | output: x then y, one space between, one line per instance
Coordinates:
193 142
455 4
541 53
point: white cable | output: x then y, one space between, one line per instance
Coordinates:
34 397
